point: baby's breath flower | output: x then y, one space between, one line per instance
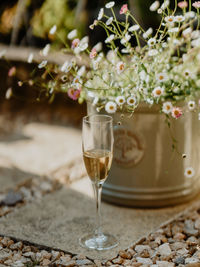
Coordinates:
190 15
110 107
176 112
8 93
131 101
45 50
98 46
66 67
191 105
110 38
165 4
126 38
101 13
120 100
189 172
81 71
71 35
187 32
162 77
110 4
196 43
167 107
147 33
179 18
154 6
187 73
42 64
75 43
120 67
93 53
195 34
151 42
152 52
109 21
53 29
158 91
30 58
134 28
2 53
64 78
159 11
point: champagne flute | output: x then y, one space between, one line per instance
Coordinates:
97 143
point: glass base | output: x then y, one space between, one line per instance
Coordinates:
102 242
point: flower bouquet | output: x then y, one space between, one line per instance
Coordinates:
156 68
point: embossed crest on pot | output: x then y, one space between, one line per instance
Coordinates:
128 147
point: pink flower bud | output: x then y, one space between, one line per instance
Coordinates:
123 9
12 72
183 4
74 93
93 53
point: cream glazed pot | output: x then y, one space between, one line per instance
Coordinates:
146 172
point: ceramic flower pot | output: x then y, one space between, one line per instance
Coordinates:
146 171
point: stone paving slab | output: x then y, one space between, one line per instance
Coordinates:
11 176
41 148
59 219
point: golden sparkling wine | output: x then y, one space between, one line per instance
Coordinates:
97 163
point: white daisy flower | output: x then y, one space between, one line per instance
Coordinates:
174 30
170 19
158 91
53 30
110 4
98 46
110 107
101 13
179 18
134 28
126 38
162 77
66 67
191 105
131 101
110 38
152 52
71 35
147 33
109 21
167 107
120 67
30 58
120 100
189 172
45 50
8 93
187 32
81 71
154 6
42 64
151 42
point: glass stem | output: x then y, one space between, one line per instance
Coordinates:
97 193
